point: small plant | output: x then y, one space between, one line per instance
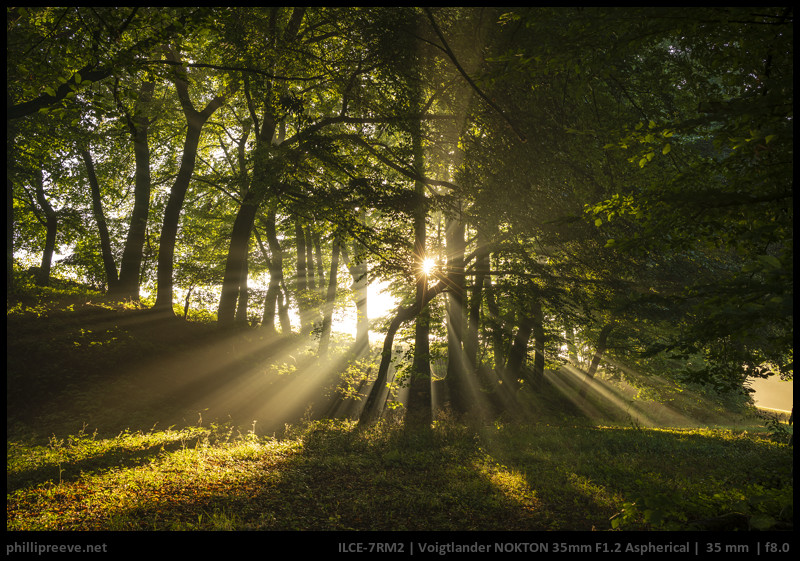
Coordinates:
779 430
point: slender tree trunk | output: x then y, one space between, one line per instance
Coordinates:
109 266
496 321
538 342
9 235
51 229
419 412
330 298
519 348
186 302
235 263
602 345
458 365
283 310
241 309
172 214
169 229
571 348
357 265
271 298
372 407
311 282
132 254
476 299
275 270
301 283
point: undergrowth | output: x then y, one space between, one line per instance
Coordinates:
331 475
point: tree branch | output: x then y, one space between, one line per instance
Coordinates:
474 86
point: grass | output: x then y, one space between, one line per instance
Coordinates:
329 475
86 451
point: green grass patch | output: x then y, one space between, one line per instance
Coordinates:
328 475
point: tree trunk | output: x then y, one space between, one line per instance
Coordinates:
275 271
458 365
301 283
476 299
172 213
519 348
241 309
51 229
132 254
235 263
538 342
283 310
271 298
372 407
109 266
571 348
330 298
9 234
419 412
310 273
496 325
357 265
186 302
602 345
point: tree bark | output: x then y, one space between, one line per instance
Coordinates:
419 412
372 407
458 366
496 325
109 266
538 342
172 214
235 263
357 265
241 309
519 348
301 282
571 348
51 229
330 298
275 271
476 299
132 254
169 229
602 345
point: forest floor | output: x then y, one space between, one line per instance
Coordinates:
108 430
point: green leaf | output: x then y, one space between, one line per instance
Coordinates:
598 222
770 137
50 91
666 149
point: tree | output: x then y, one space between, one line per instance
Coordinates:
568 170
169 229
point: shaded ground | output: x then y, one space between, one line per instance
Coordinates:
116 369
92 391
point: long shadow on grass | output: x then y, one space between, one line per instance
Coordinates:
133 369
344 479
117 456
586 474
